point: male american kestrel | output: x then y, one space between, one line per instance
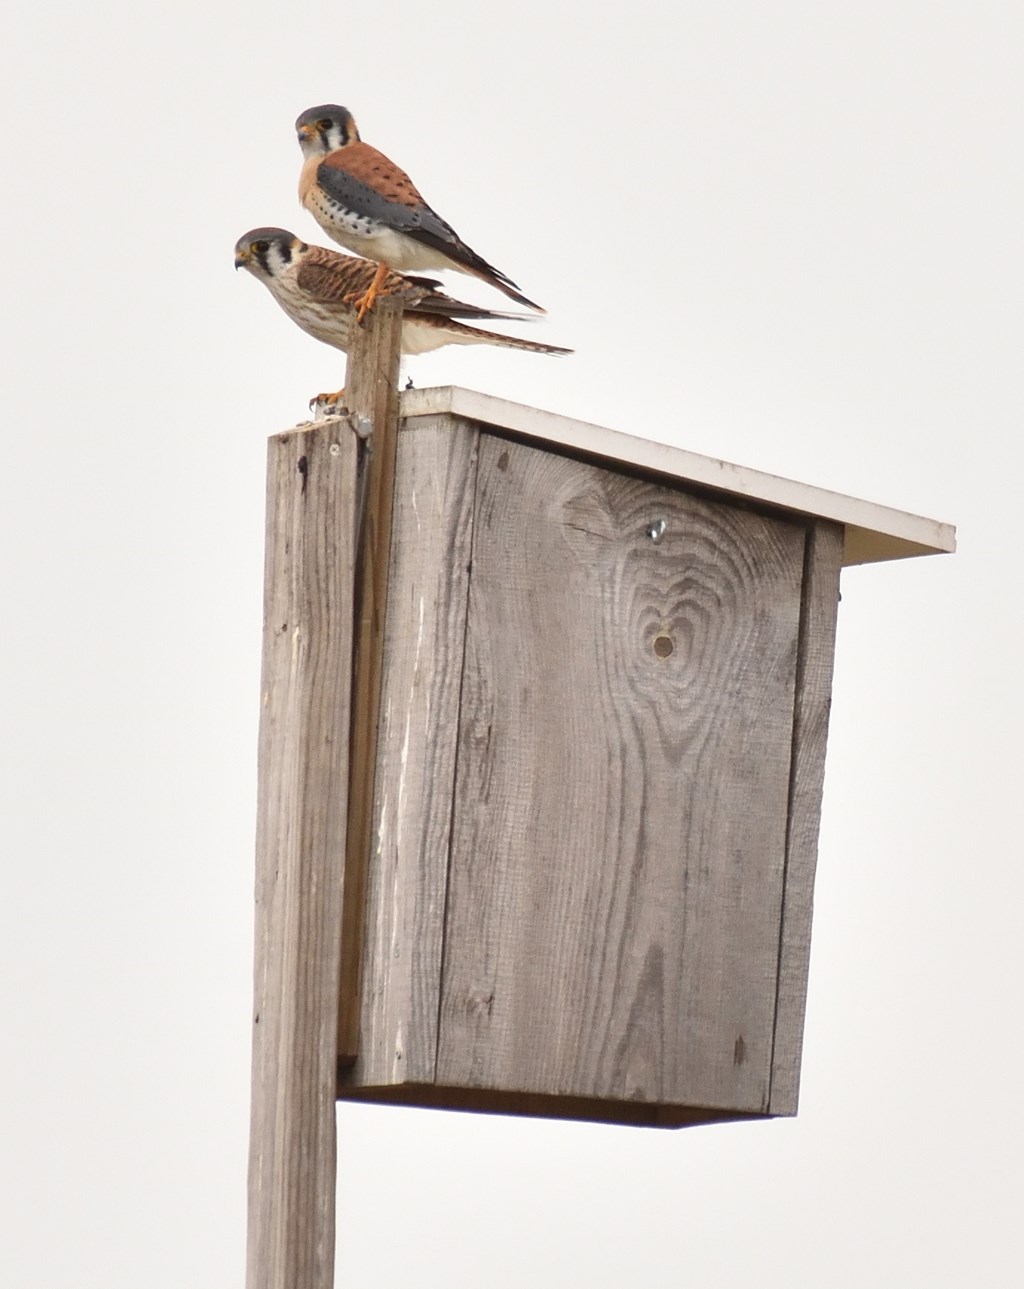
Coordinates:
316 287
365 203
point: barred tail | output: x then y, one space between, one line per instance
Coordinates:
460 334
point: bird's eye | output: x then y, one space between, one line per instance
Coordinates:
261 248
326 123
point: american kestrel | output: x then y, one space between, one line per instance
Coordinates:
365 203
316 287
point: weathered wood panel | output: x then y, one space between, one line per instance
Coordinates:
371 393
424 637
300 838
810 734
620 816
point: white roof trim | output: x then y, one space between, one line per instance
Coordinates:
873 533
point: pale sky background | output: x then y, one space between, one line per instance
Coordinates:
789 235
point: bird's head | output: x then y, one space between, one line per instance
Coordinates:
268 252
324 128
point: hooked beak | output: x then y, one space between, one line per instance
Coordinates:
304 132
241 259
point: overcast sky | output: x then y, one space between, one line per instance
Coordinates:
788 235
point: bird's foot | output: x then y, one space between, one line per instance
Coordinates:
326 404
364 302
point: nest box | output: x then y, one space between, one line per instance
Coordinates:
604 703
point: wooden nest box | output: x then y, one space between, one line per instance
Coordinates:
592 801
606 684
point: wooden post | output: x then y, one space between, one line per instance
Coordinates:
304 762
372 395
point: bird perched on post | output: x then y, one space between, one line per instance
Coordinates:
365 203
316 288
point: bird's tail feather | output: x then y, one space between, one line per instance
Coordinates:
498 280
461 334
441 306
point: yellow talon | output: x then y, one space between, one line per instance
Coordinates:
325 399
365 302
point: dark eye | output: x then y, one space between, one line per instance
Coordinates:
326 123
261 248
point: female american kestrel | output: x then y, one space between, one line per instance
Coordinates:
365 203
316 287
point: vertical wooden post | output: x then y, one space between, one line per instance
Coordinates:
300 838
371 393
308 702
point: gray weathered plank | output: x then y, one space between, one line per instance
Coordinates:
620 815
303 770
810 734
371 393
424 638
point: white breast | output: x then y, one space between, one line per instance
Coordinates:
372 239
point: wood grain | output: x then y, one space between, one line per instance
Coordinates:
619 825
423 643
300 837
371 392
810 735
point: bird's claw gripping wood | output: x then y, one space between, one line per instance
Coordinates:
364 302
327 400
